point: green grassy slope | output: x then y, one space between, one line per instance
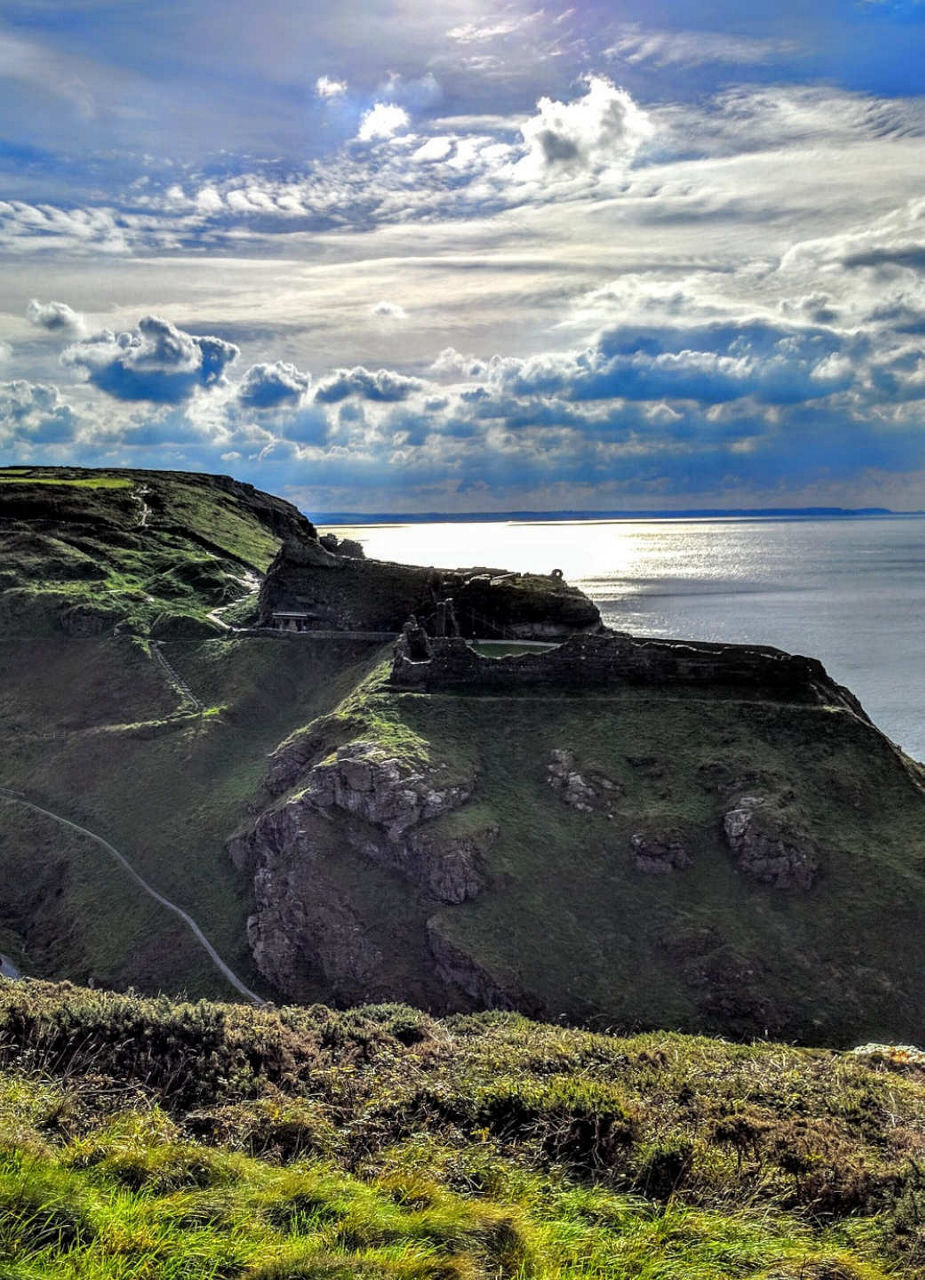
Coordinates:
98 749
148 1140
95 568
570 926
145 551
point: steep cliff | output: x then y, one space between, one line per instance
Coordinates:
705 837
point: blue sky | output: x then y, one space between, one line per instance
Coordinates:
390 255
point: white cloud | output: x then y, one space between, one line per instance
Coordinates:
603 127
266 386
479 33
33 413
209 200
327 87
895 240
41 228
433 150
55 317
693 48
383 385
156 361
389 311
383 120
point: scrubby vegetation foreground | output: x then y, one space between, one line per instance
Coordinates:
148 1139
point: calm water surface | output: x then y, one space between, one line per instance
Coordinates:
850 592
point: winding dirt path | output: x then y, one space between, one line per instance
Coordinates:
248 579
13 797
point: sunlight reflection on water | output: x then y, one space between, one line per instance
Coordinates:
849 591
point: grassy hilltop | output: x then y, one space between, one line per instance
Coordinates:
564 852
149 552
148 1140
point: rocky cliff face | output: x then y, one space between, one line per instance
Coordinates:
388 811
767 848
312 929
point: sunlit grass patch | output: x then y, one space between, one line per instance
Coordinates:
93 482
381 1143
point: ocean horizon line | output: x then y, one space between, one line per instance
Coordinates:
328 518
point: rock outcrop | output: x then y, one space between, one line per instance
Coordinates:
766 848
303 928
393 812
387 791
456 968
588 791
348 547
660 852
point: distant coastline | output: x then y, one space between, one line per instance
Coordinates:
540 517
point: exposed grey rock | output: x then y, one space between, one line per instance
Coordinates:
302 925
400 804
387 791
240 848
587 792
348 547
766 848
387 809
450 866
660 852
294 757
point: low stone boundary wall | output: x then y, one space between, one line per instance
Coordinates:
618 658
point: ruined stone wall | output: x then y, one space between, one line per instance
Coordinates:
345 594
618 658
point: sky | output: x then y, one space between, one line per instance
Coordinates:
397 256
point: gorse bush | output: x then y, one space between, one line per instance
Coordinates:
156 1141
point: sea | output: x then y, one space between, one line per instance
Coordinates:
847 590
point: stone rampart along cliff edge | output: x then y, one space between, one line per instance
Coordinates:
618 658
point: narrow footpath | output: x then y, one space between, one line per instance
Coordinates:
13 797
